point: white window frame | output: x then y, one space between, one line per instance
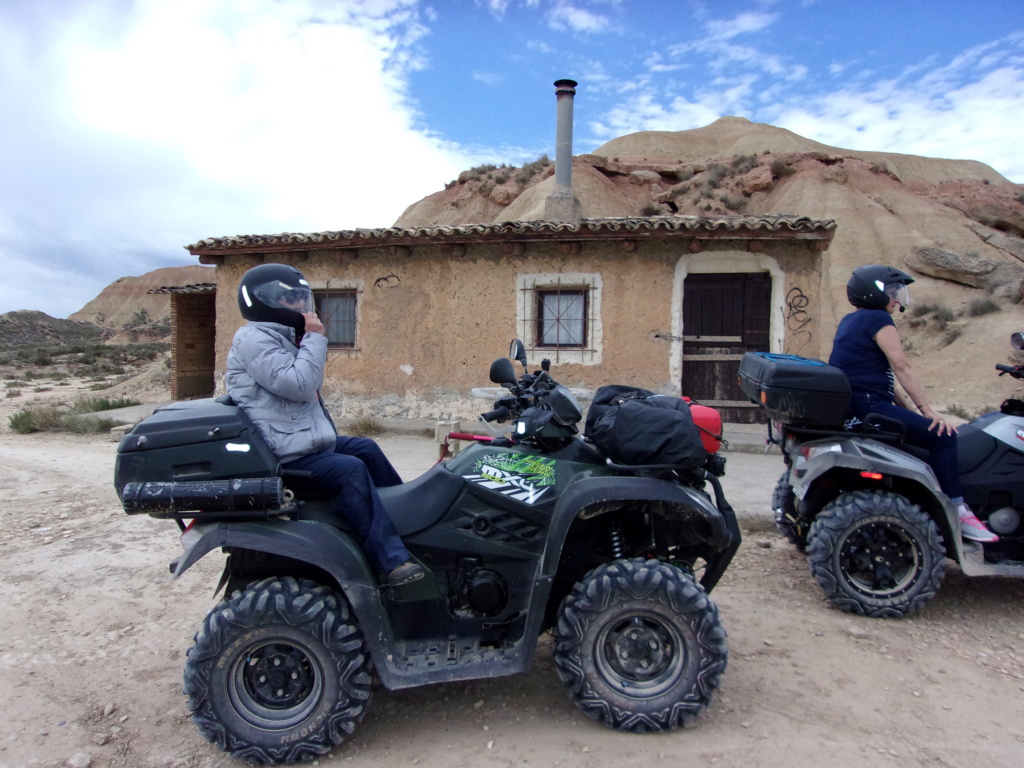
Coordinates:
527 289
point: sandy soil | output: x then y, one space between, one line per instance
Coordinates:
93 634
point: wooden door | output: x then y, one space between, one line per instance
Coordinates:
724 315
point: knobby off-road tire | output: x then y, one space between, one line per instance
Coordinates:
876 554
783 506
278 672
639 645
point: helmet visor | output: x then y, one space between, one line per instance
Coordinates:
899 293
278 294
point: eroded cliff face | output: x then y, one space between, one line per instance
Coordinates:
125 300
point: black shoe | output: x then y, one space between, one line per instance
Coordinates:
406 573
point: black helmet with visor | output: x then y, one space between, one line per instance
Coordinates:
874 286
275 293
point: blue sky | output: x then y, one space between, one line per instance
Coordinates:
130 128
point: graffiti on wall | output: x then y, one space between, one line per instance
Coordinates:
798 321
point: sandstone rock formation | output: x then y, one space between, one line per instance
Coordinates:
126 299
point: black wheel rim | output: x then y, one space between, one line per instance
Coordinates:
640 655
275 684
880 559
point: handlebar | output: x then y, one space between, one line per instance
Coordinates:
1017 371
498 414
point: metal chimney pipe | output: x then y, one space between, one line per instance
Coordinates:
561 204
565 90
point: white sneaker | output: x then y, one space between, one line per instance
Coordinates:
972 528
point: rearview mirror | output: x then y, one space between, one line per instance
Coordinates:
517 352
502 371
1017 341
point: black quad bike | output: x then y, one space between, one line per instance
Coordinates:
866 508
520 535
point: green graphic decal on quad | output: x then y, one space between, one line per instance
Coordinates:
524 478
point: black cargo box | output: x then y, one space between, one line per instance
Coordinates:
793 390
193 440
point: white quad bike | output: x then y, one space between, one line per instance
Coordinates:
866 508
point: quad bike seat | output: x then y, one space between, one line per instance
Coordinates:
413 506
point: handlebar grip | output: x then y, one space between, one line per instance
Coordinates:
1007 368
498 414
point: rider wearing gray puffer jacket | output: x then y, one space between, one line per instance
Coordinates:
274 371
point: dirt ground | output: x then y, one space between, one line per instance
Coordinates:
93 635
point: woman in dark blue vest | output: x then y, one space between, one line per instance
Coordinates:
868 349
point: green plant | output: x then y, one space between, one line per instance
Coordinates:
42 418
94 404
980 307
13 392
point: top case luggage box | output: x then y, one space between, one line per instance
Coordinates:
797 391
193 440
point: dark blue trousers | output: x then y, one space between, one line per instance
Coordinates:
942 449
353 473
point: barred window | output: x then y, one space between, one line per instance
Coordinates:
558 315
337 311
562 317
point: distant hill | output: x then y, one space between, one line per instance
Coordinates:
956 225
122 312
24 328
124 301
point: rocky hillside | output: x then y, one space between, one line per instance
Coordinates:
28 328
956 225
122 313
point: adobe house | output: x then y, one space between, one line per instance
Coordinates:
414 316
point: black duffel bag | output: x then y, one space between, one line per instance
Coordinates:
634 426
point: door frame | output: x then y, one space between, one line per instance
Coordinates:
716 262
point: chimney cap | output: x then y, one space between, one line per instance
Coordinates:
565 84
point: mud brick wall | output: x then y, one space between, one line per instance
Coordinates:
193 334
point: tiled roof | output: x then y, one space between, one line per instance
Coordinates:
194 288
655 227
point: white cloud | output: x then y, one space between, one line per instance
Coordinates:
567 16
146 126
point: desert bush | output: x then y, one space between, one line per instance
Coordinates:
715 174
13 393
780 169
365 426
94 404
42 418
980 307
650 208
744 164
734 203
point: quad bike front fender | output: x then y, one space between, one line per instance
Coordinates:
590 497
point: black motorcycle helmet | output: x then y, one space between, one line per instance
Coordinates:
874 286
275 293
